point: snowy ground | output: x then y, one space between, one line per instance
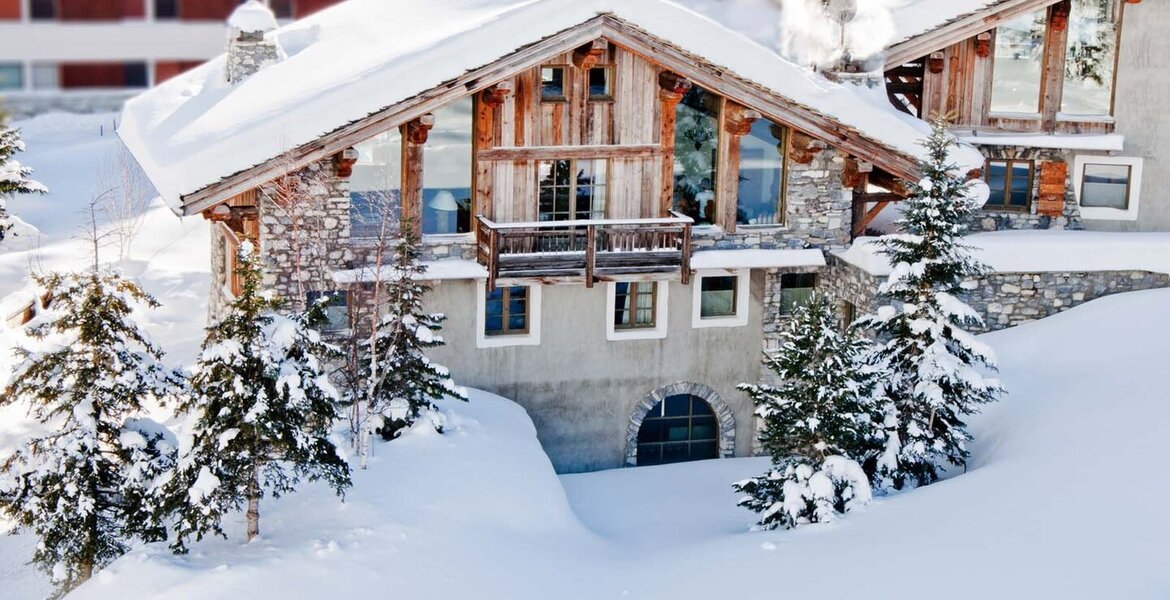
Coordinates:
1065 495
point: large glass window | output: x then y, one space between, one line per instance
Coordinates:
1091 57
717 296
446 201
635 305
761 174
1011 184
506 311
677 429
572 189
1019 59
375 187
1106 186
11 76
696 155
795 289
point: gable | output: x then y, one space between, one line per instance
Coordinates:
928 26
201 141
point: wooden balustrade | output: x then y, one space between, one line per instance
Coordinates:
589 249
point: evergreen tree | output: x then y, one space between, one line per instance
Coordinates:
817 424
84 482
933 367
395 362
260 413
14 177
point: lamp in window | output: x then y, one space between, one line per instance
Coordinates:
444 204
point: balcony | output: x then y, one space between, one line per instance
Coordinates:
584 250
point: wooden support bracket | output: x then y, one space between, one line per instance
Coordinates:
588 55
496 94
419 129
344 161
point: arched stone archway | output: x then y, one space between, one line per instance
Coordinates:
722 412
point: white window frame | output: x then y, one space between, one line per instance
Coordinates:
657 332
1097 213
483 340
743 283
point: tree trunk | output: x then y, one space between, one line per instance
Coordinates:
254 502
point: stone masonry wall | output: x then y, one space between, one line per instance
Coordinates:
247 56
217 300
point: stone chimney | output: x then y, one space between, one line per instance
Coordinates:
248 50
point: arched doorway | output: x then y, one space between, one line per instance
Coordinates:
680 422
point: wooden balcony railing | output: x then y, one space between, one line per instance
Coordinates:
592 249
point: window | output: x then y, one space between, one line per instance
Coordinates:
336 308
679 428
696 155
166 9
46 76
1090 58
506 311
636 310
447 171
507 316
11 76
601 83
1108 187
761 174
1011 184
720 299
552 84
572 189
848 315
1019 58
795 289
375 187
42 9
283 9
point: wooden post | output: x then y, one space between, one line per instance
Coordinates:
590 254
686 254
414 135
737 122
672 88
1055 44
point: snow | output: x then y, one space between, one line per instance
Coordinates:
915 17
1043 251
193 130
756 259
252 17
437 270
1113 142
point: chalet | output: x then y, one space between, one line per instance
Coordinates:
618 201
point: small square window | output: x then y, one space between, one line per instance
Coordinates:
1010 182
552 84
135 74
506 311
42 9
166 9
11 76
46 76
795 289
717 296
600 83
635 305
283 9
336 308
1106 186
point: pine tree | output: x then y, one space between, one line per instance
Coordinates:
817 425
84 483
260 413
934 368
14 177
396 365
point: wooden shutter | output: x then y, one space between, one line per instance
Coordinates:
1053 175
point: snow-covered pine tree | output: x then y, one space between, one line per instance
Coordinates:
259 416
817 424
14 177
84 482
395 361
934 369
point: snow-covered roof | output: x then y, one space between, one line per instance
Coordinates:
1043 251
756 259
436 270
1108 142
359 57
916 17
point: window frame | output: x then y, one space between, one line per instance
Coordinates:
1045 51
782 201
1133 193
657 331
573 186
505 316
330 327
1007 182
780 308
565 73
531 338
1088 118
21 77
742 295
609 80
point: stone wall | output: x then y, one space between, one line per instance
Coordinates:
217 300
304 231
999 220
247 54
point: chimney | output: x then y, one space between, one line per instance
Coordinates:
248 50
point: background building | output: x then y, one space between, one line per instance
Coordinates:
90 55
